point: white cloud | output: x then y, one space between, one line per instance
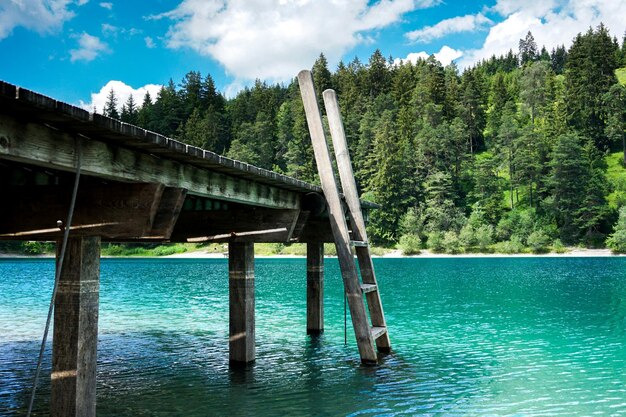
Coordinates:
149 42
457 24
445 55
108 29
122 92
274 39
89 48
41 16
107 5
551 24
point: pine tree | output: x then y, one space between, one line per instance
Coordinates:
590 72
130 113
533 87
615 103
110 106
387 182
558 59
321 77
528 49
144 116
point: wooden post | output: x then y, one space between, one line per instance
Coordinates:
314 288
75 339
241 297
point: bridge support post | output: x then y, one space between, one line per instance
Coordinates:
75 338
314 288
241 298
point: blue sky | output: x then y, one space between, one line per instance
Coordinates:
76 50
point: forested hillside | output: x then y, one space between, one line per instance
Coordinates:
521 150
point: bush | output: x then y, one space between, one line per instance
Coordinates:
538 241
467 236
558 246
617 240
484 237
510 246
435 242
165 250
35 248
410 244
451 242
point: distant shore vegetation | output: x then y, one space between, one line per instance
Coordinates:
523 152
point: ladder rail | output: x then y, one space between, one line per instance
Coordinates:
348 185
342 156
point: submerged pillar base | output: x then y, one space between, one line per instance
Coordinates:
241 300
75 339
314 288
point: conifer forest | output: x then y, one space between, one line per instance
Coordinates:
524 151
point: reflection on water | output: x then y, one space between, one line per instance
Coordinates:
470 337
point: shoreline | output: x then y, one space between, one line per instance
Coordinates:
426 254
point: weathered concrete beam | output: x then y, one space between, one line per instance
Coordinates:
38 144
314 288
241 298
75 340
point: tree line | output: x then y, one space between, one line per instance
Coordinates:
518 151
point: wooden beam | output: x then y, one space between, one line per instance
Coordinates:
167 213
316 230
75 339
241 300
237 222
37 144
314 288
253 236
114 210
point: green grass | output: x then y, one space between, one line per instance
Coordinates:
112 249
616 175
620 73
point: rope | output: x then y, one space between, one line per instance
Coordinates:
345 320
66 233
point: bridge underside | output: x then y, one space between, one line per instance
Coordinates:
138 186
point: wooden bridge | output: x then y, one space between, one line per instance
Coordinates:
127 184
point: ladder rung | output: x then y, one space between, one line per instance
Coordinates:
365 288
378 331
358 243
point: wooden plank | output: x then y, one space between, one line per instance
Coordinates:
253 236
359 233
170 205
36 144
337 219
234 222
75 339
241 302
378 332
368 288
314 288
112 210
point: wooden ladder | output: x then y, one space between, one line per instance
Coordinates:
367 336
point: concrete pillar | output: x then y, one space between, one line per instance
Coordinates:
314 288
75 339
241 297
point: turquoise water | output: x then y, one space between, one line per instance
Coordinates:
499 337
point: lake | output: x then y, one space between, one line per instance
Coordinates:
482 336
